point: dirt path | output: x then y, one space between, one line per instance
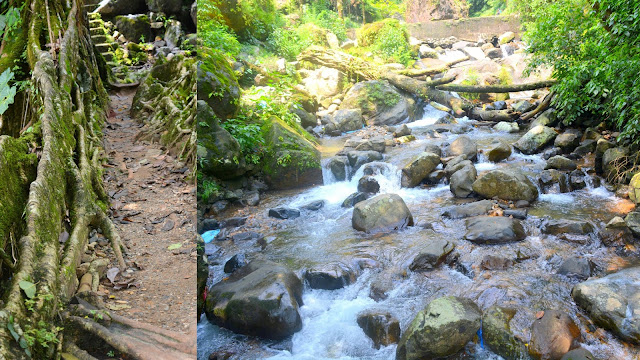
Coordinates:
153 205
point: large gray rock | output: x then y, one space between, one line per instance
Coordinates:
481 207
553 335
338 167
535 139
218 152
561 226
442 329
509 127
612 302
432 254
173 33
111 8
330 276
418 168
463 145
381 327
323 83
381 213
380 102
548 118
494 230
568 140
461 182
348 120
498 336
507 184
561 163
499 151
633 222
610 161
259 299
134 27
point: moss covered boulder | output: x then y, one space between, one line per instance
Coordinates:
134 27
506 184
217 83
260 299
369 33
418 168
380 102
634 189
442 329
497 334
291 160
535 139
219 154
381 213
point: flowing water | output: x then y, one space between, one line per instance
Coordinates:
329 327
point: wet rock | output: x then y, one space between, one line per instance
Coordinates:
284 213
380 102
634 189
498 151
577 180
586 147
561 226
375 168
402 130
463 145
610 158
355 198
498 336
323 83
435 177
359 158
456 164
523 106
434 149
481 207
381 213
506 184
509 127
418 168
461 182
561 163
233 222
551 152
554 181
381 327
548 118
499 105
553 335
380 287
516 213
568 141
616 222
247 236
442 329
576 267
134 27
374 144
338 167
578 354
432 254
330 276
601 146
492 262
348 120
368 184
494 230
633 222
208 224
236 262
259 299
313 206
535 139
610 301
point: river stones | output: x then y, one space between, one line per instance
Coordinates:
348 119
554 181
509 127
442 329
568 140
374 144
419 168
368 184
576 267
493 262
381 213
330 276
494 230
381 327
498 151
562 226
380 102
523 106
259 299
548 118
497 334
535 139
284 213
338 167
456 164
463 145
313 206
600 147
553 335
433 148
461 182
561 163
506 184
355 198
612 302
578 354
634 189
476 208
432 253
359 158
610 159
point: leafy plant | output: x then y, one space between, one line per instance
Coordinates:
214 32
7 92
248 136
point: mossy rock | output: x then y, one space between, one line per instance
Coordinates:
291 160
248 19
498 336
203 274
134 27
380 102
316 34
368 34
217 83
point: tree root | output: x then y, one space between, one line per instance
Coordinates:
432 70
544 105
496 88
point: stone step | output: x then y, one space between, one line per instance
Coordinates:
98 31
97 39
108 56
105 47
90 8
112 64
96 23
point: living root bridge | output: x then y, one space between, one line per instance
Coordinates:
436 90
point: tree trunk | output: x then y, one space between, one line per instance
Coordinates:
493 115
432 70
496 88
362 70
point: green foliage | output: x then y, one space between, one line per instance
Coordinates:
472 78
594 49
377 95
207 188
327 19
504 76
260 17
248 136
213 31
7 92
388 39
10 20
384 9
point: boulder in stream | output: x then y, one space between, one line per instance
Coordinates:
330 276
442 329
461 182
499 151
381 213
368 184
562 226
338 167
259 299
418 168
568 140
612 302
463 145
497 334
578 354
535 139
494 230
284 213
432 253
359 158
506 184
553 335
561 163
381 327
380 102
476 208
576 267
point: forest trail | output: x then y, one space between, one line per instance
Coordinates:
153 206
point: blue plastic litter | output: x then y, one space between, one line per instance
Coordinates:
480 336
210 235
